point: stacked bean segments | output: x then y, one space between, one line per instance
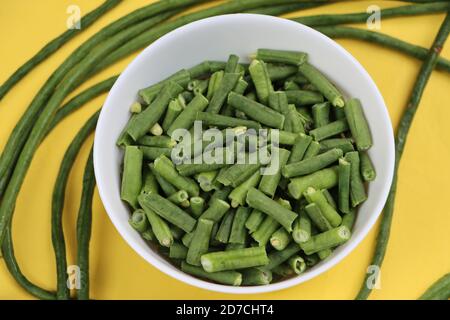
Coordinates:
229 222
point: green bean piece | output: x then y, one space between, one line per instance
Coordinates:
299 149
166 187
199 70
136 107
167 210
160 228
303 97
201 87
297 264
344 144
295 58
317 197
277 100
156 141
220 194
311 165
189 169
212 119
214 83
152 153
148 234
238 232
265 230
293 120
256 111
329 130
178 251
323 254
141 123
307 116
186 118
258 200
223 234
187 238
358 124
280 239
166 169
278 257
212 240
232 64
173 111
279 72
349 219
138 220
231 278
316 78
329 198
302 228
312 151
221 93
344 185
283 270
256 277
317 217
240 88
321 114
367 169
179 198
237 174
254 220
200 241
291 85
261 80
322 179
197 205
181 78
357 190
132 175
205 180
269 183
215 212
234 259
286 138
239 194
326 240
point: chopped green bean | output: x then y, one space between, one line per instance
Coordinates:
317 197
173 111
152 153
220 94
261 80
211 119
179 198
321 114
313 150
358 124
311 165
132 176
304 97
215 212
278 257
186 118
295 58
254 220
344 185
139 220
322 179
166 187
178 251
280 239
239 194
367 169
200 241
234 259
317 217
329 130
156 141
256 277
238 233
160 228
297 264
299 148
357 190
302 228
231 278
269 183
223 234
326 240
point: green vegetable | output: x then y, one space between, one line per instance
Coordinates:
219 97
278 257
317 197
180 198
218 120
299 149
269 183
312 164
238 232
215 212
282 56
301 231
132 176
139 220
160 228
261 80
322 179
303 97
223 234
358 124
357 190
234 259
231 278
313 150
297 264
440 290
367 169
200 241
344 185
177 251
280 239
258 200
239 194
329 130
256 277
326 240
197 206
321 114
317 217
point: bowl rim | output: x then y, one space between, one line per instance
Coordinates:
186 278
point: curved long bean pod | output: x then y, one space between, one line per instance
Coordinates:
58 205
84 224
14 269
40 127
361 17
440 290
54 45
22 129
383 40
400 141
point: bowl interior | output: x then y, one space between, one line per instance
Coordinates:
214 39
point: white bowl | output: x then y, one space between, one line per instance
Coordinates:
214 39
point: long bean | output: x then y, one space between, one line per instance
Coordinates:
440 290
84 226
415 51
58 197
44 119
54 45
335 19
402 133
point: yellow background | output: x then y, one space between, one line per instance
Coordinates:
418 251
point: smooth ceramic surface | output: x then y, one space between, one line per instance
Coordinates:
214 39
